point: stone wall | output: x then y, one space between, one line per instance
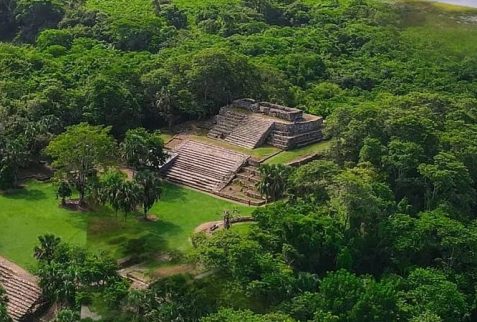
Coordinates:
282 112
299 129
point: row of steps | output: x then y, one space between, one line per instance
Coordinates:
226 121
22 293
251 133
204 167
248 177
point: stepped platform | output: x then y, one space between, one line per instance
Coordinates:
243 188
203 166
22 290
250 124
251 133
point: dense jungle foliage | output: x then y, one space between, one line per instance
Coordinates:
383 229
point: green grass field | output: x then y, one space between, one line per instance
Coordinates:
289 156
33 211
445 29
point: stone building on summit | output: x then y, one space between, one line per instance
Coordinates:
250 124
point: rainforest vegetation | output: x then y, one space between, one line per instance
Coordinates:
383 228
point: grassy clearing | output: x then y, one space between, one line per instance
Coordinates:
34 211
289 156
444 28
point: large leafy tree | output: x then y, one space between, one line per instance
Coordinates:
142 149
428 290
80 152
448 182
311 180
13 155
34 16
71 271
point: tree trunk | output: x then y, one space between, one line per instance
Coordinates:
81 198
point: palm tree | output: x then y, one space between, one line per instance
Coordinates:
129 197
273 181
111 183
150 189
46 250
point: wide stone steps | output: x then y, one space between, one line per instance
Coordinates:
226 121
191 179
250 134
204 166
22 293
225 160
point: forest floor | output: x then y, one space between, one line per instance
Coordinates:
33 211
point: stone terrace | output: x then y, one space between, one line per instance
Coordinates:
249 124
23 292
203 166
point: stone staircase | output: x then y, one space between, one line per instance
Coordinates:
204 167
22 291
243 188
226 121
251 133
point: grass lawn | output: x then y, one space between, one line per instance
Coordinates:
292 155
34 211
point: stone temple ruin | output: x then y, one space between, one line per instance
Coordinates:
23 293
250 124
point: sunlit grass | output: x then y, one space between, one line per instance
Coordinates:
293 155
33 211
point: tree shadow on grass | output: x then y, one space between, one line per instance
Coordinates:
172 192
25 194
131 238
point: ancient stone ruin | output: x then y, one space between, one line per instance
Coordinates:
203 166
250 124
23 292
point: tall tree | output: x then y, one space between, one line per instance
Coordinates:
111 183
448 182
80 152
142 149
273 181
150 186
129 197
